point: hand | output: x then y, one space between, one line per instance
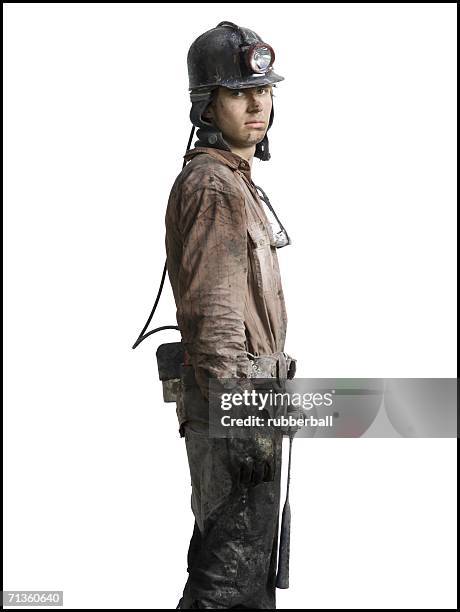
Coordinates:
295 413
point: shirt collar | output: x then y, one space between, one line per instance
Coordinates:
232 160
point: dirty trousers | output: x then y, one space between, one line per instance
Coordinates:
232 556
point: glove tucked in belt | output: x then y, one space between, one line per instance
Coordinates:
278 365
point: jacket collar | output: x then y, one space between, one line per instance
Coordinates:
232 160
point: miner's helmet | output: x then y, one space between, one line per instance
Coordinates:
227 56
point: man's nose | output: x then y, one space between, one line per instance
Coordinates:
254 104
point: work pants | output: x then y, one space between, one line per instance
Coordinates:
232 556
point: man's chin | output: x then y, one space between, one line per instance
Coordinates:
254 138
250 140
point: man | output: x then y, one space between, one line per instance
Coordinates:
223 268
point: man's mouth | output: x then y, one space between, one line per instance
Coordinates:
255 123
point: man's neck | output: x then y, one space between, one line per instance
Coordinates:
246 153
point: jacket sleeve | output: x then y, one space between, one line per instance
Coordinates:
213 283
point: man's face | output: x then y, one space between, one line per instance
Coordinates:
242 115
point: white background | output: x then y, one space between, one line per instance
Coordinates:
363 176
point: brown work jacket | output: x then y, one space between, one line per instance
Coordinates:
223 266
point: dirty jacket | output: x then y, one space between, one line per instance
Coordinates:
223 266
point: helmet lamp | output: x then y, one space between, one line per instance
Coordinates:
260 57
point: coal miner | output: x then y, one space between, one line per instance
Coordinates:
222 236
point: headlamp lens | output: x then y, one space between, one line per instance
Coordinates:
261 59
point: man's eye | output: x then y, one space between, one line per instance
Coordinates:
237 93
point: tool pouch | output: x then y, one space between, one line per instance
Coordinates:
170 357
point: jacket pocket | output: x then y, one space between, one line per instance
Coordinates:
261 253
